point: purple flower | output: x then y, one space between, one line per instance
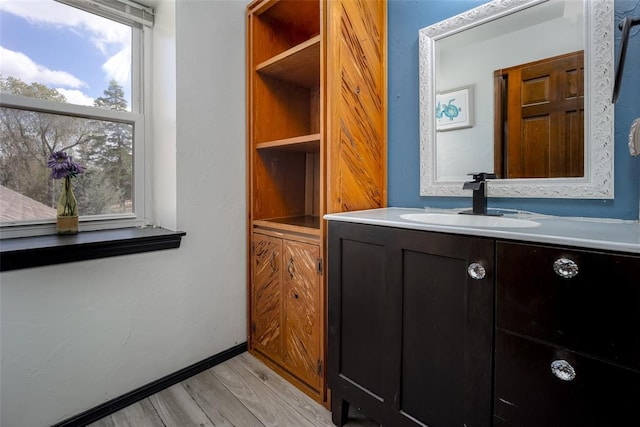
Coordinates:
58 160
63 166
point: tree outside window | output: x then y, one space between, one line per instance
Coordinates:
105 148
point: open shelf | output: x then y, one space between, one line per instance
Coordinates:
305 224
280 25
284 112
286 184
300 16
299 65
305 143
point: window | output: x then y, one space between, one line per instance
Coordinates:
71 79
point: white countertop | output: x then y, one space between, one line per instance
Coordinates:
594 233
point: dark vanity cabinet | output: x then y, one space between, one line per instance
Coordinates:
445 330
410 329
567 337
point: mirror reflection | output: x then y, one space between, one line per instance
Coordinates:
485 66
539 118
527 108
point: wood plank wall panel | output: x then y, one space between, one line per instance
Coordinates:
357 120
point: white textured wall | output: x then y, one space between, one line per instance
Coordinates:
74 336
162 86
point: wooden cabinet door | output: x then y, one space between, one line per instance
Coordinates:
445 355
301 301
266 296
410 332
359 315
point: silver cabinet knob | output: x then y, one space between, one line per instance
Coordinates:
565 268
476 271
563 370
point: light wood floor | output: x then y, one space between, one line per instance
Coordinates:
240 392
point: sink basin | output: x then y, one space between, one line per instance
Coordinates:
470 220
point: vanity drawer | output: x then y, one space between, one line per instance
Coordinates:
528 394
596 312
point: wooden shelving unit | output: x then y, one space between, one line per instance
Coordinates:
316 114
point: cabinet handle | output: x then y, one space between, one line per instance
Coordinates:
476 271
272 262
565 268
563 370
290 267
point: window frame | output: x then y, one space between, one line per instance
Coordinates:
140 79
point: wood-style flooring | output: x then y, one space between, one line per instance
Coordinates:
240 392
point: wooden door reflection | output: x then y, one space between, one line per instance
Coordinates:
539 118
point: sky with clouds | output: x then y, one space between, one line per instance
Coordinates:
64 48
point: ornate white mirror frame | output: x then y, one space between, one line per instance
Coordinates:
598 117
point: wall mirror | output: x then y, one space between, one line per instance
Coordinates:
459 58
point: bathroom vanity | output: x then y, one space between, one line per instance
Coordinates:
525 322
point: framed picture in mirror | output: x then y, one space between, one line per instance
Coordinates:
454 109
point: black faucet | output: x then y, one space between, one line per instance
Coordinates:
479 187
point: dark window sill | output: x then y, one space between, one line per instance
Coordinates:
37 251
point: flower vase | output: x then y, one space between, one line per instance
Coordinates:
67 220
